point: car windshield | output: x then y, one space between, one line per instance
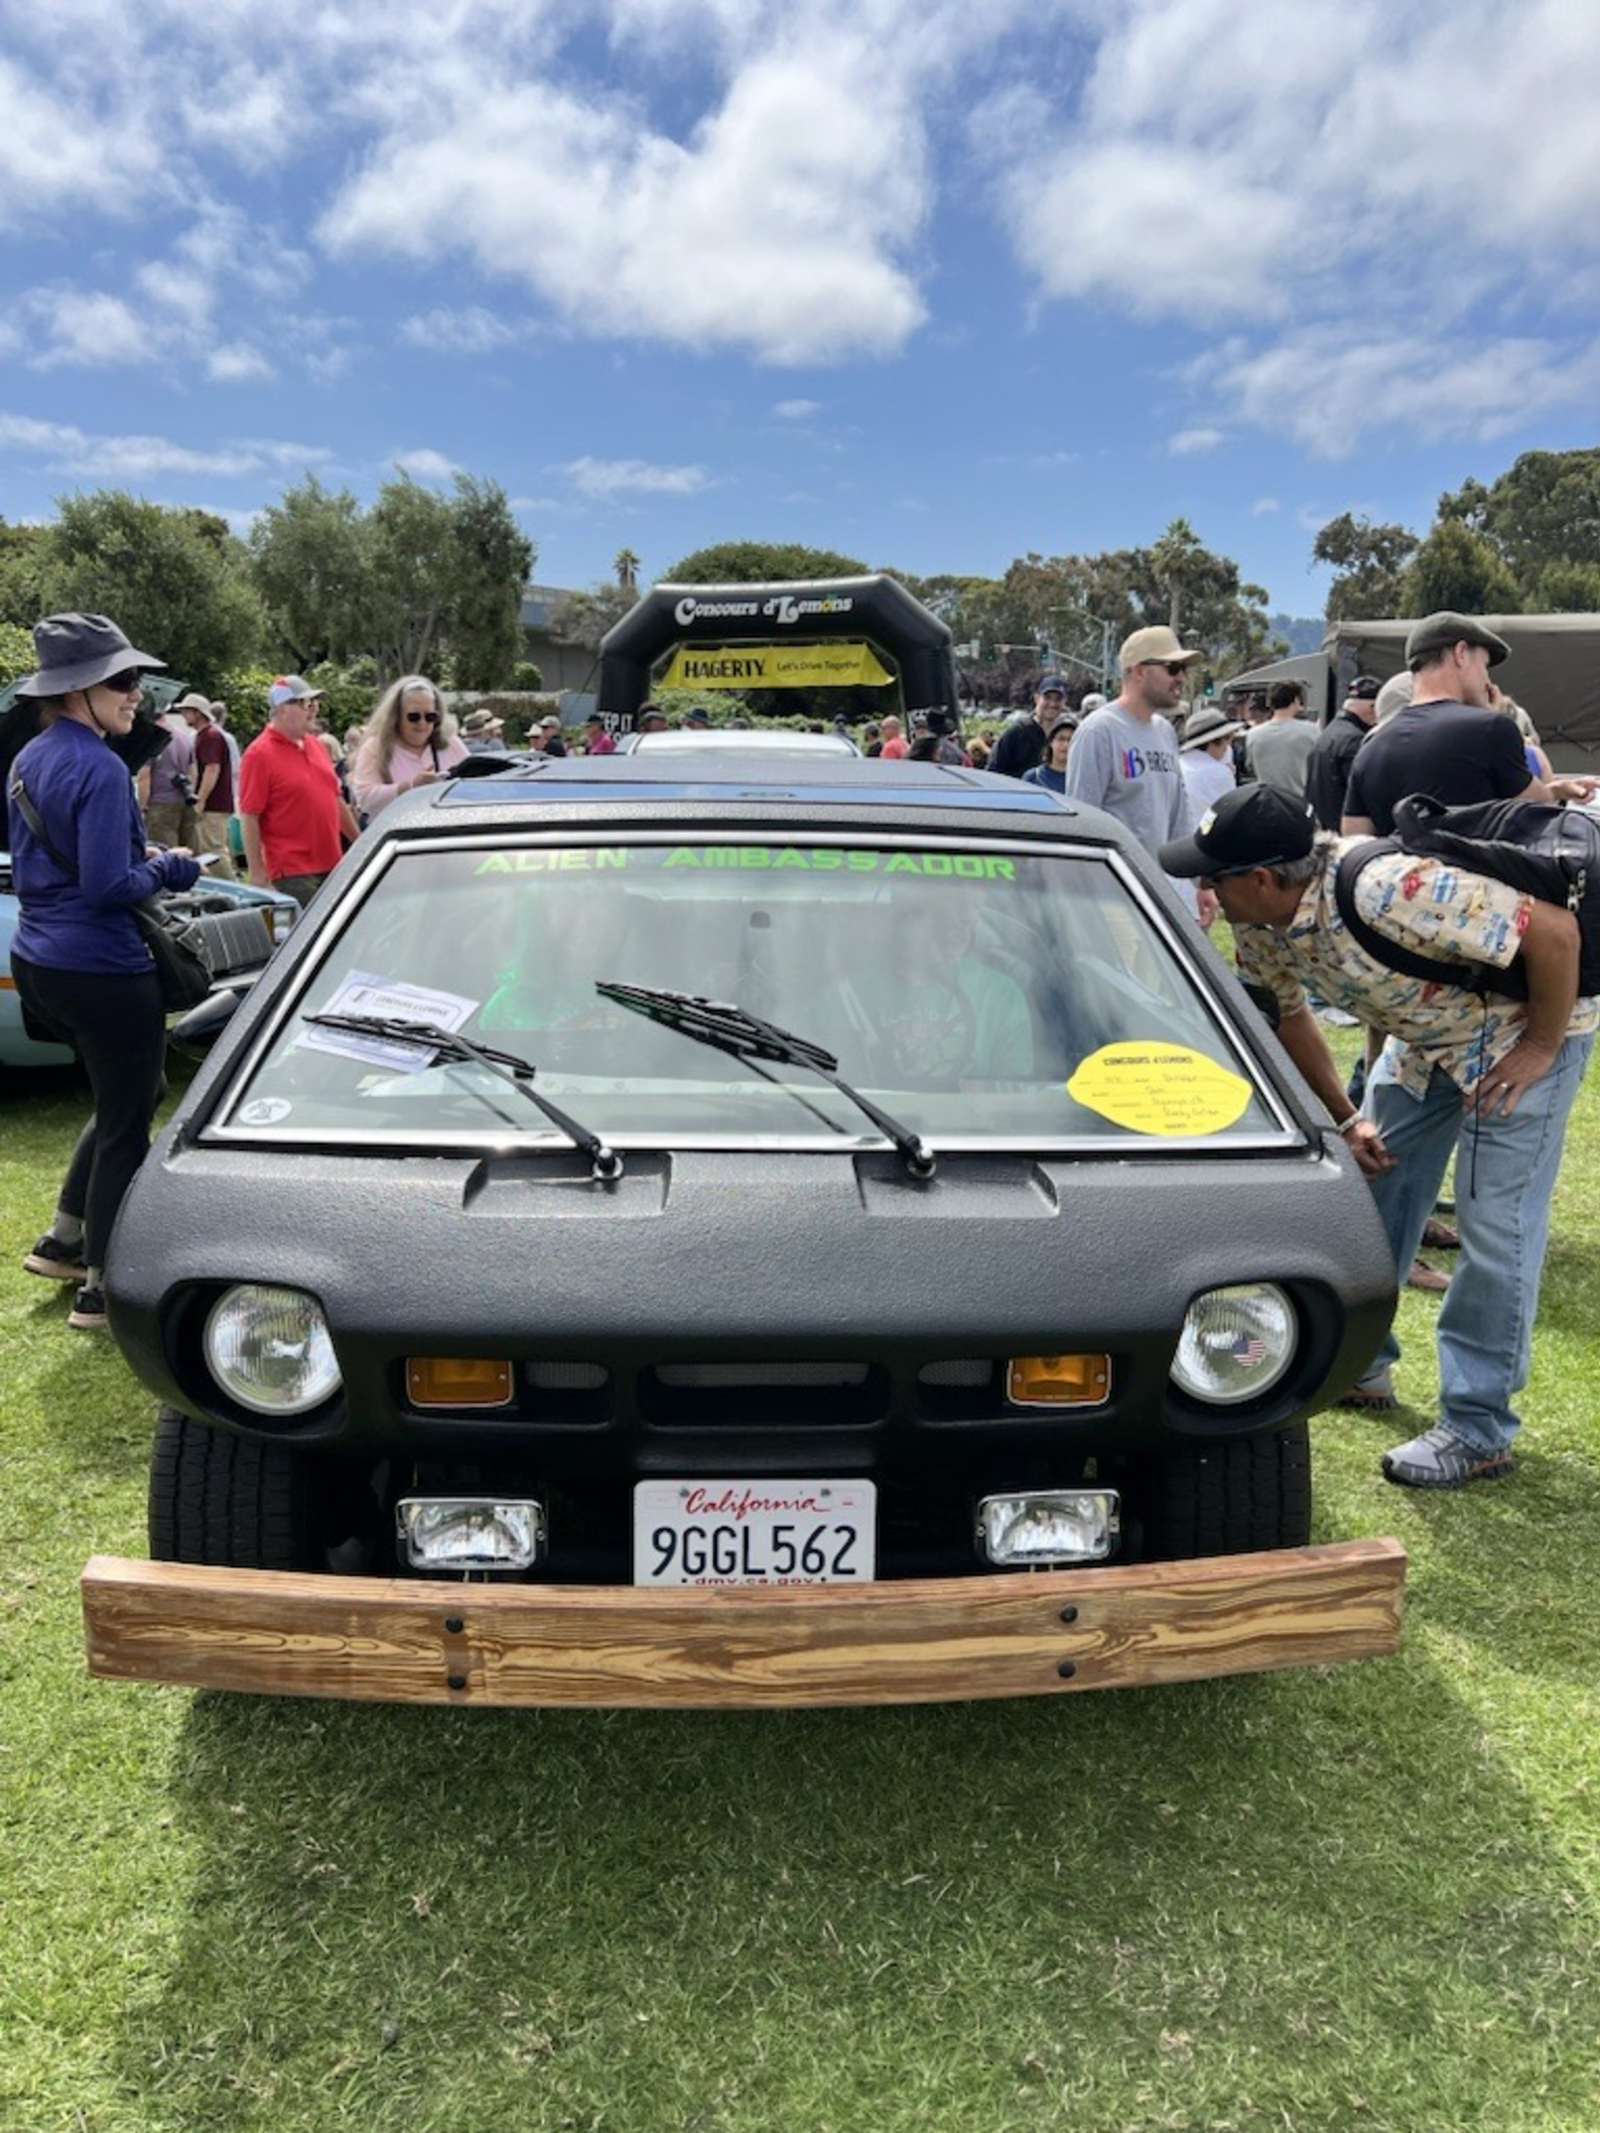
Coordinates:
985 992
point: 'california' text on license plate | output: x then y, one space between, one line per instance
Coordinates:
754 1532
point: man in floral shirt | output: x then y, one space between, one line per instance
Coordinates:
1490 1079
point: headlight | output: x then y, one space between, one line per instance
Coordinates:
1236 1343
270 1349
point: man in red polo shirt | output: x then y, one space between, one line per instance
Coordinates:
291 811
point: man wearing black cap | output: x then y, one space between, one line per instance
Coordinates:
1328 772
1490 1080
1447 741
1024 744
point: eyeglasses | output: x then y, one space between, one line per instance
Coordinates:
130 683
1279 859
1172 666
420 718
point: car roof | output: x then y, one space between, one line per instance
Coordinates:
753 740
728 773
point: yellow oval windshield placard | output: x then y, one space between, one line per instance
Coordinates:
1161 1089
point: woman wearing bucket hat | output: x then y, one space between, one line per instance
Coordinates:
83 973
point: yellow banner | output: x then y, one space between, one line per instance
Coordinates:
774 666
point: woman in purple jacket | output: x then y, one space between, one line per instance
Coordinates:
83 973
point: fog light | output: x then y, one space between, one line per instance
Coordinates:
1058 1380
457 1381
1049 1526
470 1532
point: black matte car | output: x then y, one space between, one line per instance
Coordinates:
682 1189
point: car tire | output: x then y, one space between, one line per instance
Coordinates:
224 1500
1232 1498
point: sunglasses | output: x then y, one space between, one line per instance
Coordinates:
130 683
1172 666
420 718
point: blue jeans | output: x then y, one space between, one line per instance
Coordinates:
1506 1171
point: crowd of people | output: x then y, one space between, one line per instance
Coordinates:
1248 815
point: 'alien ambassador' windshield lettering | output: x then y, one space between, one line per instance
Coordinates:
756 858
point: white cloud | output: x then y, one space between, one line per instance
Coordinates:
424 465
473 330
797 410
603 480
760 229
1372 159
65 449
1327 386
1189 444
238 365
1265 506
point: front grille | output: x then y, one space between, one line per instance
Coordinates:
779 1395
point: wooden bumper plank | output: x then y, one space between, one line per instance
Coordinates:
937 1640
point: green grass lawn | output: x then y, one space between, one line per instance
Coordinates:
1365 1898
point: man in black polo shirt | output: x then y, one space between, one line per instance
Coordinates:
1328 772
1447 741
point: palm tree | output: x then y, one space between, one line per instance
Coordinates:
626 566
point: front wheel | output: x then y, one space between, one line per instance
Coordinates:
220 1499
1232 1498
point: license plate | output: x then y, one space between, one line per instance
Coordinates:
754 1532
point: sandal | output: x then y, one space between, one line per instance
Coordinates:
1423 1276
1439 1236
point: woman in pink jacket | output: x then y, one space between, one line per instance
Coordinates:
411 741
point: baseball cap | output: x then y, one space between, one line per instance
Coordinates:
550 723
1049 684
289 689
699 716
1157 645
1364 688
1066 723
1252 826
1436 633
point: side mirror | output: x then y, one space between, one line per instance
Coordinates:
194 1033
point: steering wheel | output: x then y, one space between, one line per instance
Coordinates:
932 1034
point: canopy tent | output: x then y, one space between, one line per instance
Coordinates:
1553 672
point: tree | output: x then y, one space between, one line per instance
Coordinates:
1545 509
760 563
482 630
582 618
177 581
311 565
418 583
626 566
1457 568
23 550
1369 563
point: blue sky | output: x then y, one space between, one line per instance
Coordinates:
936 282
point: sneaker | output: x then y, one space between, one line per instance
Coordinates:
88 1311
1438 1459
56 1261
1373 1395
1336 1018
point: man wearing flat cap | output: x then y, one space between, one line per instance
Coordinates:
1448 741
1484 1077
1125 756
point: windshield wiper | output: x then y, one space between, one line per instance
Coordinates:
506 1065
746 1036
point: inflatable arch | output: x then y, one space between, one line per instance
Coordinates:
736 627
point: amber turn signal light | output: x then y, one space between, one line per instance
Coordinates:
1058 1380
457 1381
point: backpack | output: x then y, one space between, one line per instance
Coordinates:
1549 852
